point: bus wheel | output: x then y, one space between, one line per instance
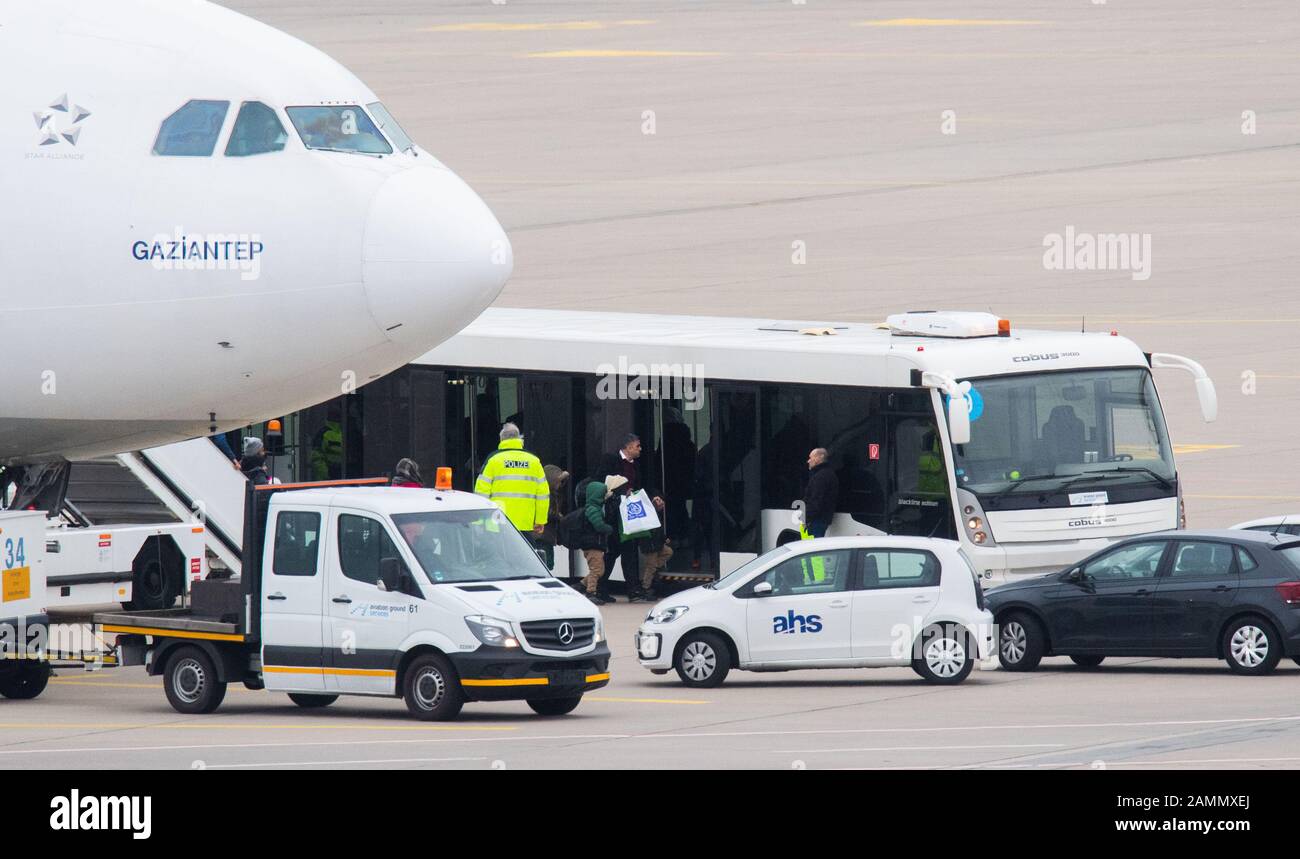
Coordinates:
307 701
432 689
191 683
25 681
554 706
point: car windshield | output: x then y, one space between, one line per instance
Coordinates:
739 573
339 128
1037 434
468 546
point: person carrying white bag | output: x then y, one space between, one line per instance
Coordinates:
636 513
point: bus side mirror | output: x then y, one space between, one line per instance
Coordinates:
959 402
390 573
959 417
1205 392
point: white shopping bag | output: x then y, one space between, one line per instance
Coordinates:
638 513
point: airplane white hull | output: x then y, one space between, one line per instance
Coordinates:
141 294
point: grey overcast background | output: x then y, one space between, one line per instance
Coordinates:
820 122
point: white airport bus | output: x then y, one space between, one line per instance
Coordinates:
1056 446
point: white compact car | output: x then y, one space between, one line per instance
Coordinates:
1288 524
838 602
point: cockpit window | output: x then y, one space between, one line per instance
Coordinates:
257 130
192 130
389 126
341 128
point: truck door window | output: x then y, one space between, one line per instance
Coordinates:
363 543
297 544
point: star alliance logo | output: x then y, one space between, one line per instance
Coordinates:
61 121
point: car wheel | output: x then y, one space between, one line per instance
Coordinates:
1087 661
1251 646
432 689
191 683
308 701
554 706
945 655
1021 642
25 680
703 660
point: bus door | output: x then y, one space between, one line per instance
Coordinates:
477 405
919 503
732 455
681 431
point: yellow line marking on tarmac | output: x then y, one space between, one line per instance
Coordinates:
601 54
205 726
615 700
946 22
521 27
1181 449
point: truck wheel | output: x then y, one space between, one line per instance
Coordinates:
191 682
703 660
944 656
432 689
554 706
25 681
305 700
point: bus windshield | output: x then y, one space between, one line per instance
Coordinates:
468 546
1044 434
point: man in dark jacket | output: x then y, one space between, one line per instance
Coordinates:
820 495
625 462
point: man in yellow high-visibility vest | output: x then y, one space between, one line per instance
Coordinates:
513 478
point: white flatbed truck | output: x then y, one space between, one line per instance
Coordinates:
353 588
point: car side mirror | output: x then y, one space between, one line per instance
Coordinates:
390 574
1075 575
762 589
541 555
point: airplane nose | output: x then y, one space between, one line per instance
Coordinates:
434 256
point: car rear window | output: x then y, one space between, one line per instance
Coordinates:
1292 554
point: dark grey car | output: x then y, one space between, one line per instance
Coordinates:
1233 595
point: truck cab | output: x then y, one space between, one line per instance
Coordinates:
427 594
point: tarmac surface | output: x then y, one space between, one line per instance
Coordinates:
823 123
790 160
1129 714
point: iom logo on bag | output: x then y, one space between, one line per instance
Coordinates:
790 623
635 510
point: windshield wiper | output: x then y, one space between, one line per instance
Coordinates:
1019 480
345 151
1141 469
1111 474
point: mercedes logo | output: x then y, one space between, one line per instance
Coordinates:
565 633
